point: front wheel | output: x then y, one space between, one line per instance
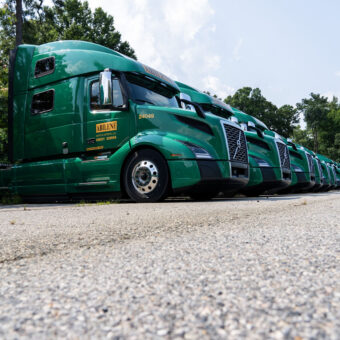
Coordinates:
146 176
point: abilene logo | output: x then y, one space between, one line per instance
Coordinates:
104 127
146 116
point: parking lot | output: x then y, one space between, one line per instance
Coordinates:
263 267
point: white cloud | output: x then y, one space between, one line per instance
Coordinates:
212 62
215 86
173 36
330 94
186 18
337 74
237 48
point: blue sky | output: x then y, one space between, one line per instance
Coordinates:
286 48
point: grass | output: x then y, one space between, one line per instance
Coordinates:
83 203
10 199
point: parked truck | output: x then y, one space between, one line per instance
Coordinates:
302 165
86 121
235 136
269 157
269 166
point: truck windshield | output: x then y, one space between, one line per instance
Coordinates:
148 91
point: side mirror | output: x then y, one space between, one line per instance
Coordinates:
197 107
184 96
105 88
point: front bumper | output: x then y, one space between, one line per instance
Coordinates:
301 182
267 179
207 176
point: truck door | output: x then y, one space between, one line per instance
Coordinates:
106 128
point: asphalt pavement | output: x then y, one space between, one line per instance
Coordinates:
260 268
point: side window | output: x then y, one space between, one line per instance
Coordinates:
42 102
94 97
117 93
44 67
118 100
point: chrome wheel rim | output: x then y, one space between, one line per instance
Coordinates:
145 177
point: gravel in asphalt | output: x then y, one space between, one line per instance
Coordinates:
263 268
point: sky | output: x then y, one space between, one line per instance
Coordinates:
287 48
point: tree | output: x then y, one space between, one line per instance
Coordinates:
315 110
252 102
303 137
18 36
329 131
74 20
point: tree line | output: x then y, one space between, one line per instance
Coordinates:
32 22
322 117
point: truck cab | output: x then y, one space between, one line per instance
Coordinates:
219 114
86 121
302 166
269 157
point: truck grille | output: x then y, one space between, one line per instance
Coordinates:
284 155
236 143
334 172
310 162
319 167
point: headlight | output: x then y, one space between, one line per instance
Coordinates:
244 126
199 152
297 168
261 162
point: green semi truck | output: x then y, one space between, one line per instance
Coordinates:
318 172
86 121
269 165
337 173
302 165
330 172
269 157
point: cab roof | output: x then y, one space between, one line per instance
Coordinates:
75 58
245 117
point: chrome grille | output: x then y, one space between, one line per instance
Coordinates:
319 167
310 162
236 143
284 155
334 172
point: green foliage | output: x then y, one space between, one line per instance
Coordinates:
10 199
303 137
74 20
251 101
315 110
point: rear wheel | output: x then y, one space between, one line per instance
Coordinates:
146 176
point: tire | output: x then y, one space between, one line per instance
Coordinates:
146 176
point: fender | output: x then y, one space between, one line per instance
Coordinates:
166 144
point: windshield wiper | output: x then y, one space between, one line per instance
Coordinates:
145 101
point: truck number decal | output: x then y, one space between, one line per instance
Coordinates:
104 127
146 116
